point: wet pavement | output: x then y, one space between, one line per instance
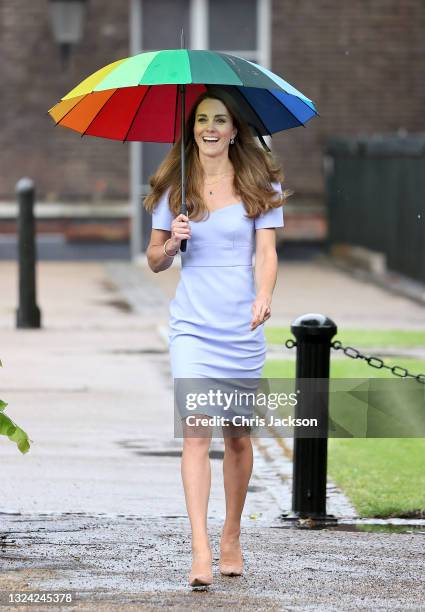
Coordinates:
144 562
96 506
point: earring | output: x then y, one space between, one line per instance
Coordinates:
232 141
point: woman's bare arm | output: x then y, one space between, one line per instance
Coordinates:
265 275
157 259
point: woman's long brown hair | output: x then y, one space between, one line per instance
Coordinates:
254 170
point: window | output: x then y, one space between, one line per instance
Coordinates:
233 25
162 21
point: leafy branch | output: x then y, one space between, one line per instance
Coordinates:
12 430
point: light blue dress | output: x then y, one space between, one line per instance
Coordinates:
210 315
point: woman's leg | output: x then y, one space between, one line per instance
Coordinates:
196 476
237 469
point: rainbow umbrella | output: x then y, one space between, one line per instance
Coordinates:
148 97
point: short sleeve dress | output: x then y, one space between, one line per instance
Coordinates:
210 315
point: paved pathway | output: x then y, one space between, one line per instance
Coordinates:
320 286
97 506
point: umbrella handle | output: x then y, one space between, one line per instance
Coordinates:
183 243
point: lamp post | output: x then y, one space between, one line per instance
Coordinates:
67 18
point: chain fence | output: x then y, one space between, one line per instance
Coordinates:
374 362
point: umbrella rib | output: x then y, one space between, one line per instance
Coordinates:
301 100
309 107
289 111
175 113
100 109
137 111
70 110
284 90
254 111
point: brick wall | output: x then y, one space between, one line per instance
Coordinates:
64 165
360 61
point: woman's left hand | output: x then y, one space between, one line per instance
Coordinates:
261 311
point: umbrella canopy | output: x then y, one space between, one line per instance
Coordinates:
137 98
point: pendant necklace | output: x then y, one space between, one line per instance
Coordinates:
215 182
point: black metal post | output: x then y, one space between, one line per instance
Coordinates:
28 313
313 333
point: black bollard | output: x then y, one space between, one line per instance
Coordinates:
28 313
313 333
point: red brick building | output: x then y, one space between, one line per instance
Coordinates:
361 62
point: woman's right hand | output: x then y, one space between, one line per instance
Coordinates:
180 230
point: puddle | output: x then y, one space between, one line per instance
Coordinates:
395 526
173 448
417 529
256 488
214 454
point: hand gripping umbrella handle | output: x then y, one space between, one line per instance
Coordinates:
183 243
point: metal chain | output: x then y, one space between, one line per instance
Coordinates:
374 362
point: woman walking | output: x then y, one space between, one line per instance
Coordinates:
234 202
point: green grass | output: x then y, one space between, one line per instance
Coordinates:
385 338
345 368
382 477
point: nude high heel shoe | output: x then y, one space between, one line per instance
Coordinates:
200 578
231 568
